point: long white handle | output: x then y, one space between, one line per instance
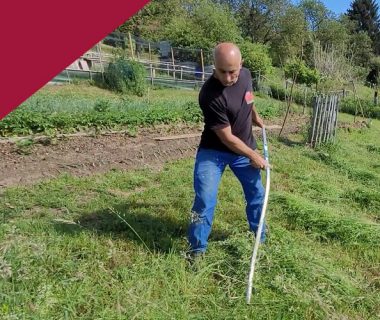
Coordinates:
261 223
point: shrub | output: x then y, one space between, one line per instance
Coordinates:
302 73
256 57
126 76
351 106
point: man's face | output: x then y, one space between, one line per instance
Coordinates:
227 72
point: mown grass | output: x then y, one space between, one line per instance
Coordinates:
72 108
111 246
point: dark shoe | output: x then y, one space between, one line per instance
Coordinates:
195 257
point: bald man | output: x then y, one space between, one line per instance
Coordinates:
226 100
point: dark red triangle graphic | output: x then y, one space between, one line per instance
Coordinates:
41 38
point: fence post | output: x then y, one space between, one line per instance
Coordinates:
316 102
100 59
173 62
376 98
304 100
151 74
203 66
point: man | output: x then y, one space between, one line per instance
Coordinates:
226 100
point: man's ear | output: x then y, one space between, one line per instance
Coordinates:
241 63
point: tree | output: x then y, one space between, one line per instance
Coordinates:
315 13
333 33
256 58
204 25
290 37
259 19
366 14
150 21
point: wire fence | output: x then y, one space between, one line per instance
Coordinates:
165 65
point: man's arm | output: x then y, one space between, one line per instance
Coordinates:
238 146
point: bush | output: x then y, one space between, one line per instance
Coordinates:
351 106
302 73
126 76
298 96
256 57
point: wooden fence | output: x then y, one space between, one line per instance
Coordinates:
324 119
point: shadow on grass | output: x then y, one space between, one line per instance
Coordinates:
143 223
290 143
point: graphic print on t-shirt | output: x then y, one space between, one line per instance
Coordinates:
249 97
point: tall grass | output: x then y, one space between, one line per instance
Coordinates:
111 246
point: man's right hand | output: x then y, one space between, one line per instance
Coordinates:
257 161
239 147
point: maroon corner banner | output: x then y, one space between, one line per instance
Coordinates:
41 38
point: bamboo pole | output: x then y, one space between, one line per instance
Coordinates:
289 103
100 59
326 119
150 52
336 118
316 102
173 62
203 66
131 45
326 124
324 116
331 117
304 100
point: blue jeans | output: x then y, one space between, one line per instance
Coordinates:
209 167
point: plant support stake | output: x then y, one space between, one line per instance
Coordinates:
261 223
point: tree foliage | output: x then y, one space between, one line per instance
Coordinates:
203 25
300 73
288 30
256 57
366 14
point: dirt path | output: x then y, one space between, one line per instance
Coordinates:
81 156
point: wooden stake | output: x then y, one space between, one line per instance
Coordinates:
203 66
100 59
173 62
131 46
151 74
316 101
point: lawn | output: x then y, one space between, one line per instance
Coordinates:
111 246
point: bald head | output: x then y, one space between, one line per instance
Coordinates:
227 61
227 51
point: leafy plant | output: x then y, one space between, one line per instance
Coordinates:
126 76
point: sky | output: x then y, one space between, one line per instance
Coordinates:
337 6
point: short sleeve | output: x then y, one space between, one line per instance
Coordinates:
249 87
215 114
249 96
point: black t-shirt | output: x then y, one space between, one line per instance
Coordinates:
227 106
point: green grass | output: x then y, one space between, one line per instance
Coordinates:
110 246
72 108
